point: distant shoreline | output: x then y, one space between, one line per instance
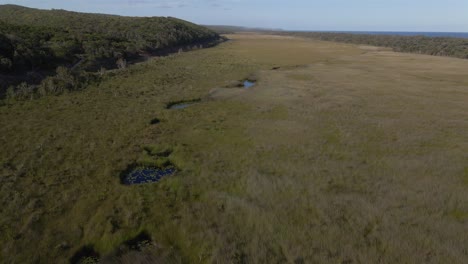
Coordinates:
420 44
395 33
232 29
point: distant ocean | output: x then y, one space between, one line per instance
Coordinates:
427 34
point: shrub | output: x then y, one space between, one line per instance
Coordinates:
102 71
121 63
58 84
5 64
65 78
10 92
22 92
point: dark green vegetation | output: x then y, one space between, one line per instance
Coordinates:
438 46
49 52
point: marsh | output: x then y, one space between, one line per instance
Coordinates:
343 154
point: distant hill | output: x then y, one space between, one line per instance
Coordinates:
38 41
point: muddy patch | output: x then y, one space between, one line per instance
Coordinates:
137 243
86 254
141 249
155 121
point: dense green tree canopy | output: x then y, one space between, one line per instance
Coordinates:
39 41
63 36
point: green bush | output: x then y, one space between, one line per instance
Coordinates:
23 91
58 84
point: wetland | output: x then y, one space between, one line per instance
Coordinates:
339 155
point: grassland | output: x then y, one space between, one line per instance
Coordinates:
343 154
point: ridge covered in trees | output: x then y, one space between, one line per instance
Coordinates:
437 46
42 49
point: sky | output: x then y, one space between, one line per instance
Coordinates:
337 15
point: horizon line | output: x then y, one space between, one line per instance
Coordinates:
247 27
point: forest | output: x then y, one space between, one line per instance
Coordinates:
437 46
50 51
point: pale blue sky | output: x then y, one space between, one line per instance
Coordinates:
365 15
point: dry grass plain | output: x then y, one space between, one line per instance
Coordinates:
343 154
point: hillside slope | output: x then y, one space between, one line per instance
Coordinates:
143 32
38 41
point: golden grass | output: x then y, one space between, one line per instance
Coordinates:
340 156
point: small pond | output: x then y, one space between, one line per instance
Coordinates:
146 175
180 106
248 84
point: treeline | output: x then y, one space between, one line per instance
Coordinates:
438 46
36 45
222 29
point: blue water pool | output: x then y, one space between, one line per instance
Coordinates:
180 106
146 175
248 84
